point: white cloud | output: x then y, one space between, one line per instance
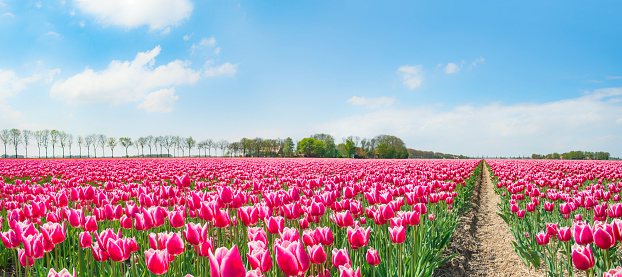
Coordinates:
371 103
38 5
187 37
226 69
157 14
8 14
477 61
590 122
217 50
412 76
161 101
82 24
10 86
451 68
53 34
614 77
204 43
124 82
208 41
166 31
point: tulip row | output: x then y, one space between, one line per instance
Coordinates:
565 214
231 217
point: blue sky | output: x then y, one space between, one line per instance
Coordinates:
477 78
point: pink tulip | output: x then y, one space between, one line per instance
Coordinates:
254 273
582 257
564 234
259 258
99 254
583 234
398 234
9 239
324 235
24 259
340 257
604 236
542 238
248 215
358 237
175 245
204 249
226 263
317 254
193 233
85 240
616 272
275 225
176 219
157 261
62 273
55 231
292 258
183 181
372 257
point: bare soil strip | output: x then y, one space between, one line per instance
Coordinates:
482 241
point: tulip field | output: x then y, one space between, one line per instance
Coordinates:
275 217
564 215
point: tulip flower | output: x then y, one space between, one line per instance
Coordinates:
275 225
340 257
193 233
260 259
183 181
398 234
157 261
290 234
176 219
292 258
226 263
347 271
542 238
616 272
62 273
317 254
372 257
358 237
99 254
564 234
117 249
324 235
85 240
604 236
583 234
175 245
254 273
582 257
9 239
55 231
24 259
204 249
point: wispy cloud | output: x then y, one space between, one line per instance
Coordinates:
371 103
157 14
499 129
125 82
452 68
53 34
7 14
226 69
614 77
412 76
477 61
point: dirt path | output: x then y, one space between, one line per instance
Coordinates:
482 240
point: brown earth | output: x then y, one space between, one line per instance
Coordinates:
482 240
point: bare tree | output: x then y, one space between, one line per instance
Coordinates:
167 142
45 137
125 142
101 139
69 143
15 138
80 143
63 139
88 141
190 143
26 135
223 144
142 142
5 137
159 143
39 140
112 143
54 137
209 144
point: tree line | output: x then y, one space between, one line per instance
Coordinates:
317 145
574 155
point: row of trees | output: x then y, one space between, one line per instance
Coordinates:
574 155
318 145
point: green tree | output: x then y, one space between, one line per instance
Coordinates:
125 142
305 146
112 143
318 148
288 148
190 143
